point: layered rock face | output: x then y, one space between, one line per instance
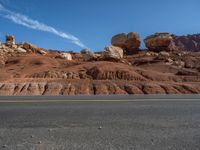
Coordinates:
130 42
28 70
187 43
160 42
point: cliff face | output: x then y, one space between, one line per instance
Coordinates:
188 43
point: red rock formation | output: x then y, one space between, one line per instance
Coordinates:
33 49
112 53
187 43
147 72
10 40
160 42
130 43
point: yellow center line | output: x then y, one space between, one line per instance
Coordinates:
131 100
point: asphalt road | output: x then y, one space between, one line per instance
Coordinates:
129 123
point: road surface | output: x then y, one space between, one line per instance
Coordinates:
102 123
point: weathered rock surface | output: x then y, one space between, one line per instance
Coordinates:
1 45
93 88
30 48
130 43
66 56
187 43
92 56
21 50
112 53
26 71
160 42
85 51
10 40
2 62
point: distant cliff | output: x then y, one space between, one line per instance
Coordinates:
187 43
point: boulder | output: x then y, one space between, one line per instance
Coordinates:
130 43
165 54
160 42
66 56
85 51
112 53
20 50
10 40
30 48
41 51
92 57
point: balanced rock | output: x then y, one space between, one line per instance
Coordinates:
160 42
112 53
66 56
130 43
10 40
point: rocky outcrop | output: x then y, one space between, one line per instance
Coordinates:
92 88
11 47
92 56
160 42
2 61
112 53
25 70
130 43
10 40
85 51
20 50
1 45
113 73
55 75
30 48
187 43
66 56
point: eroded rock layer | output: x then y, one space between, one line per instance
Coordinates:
28 70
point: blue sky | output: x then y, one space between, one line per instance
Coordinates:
94 22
